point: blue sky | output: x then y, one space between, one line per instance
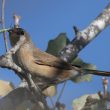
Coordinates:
45 19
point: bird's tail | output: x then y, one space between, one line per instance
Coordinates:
78 71
97 72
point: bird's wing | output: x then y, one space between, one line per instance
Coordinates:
44 58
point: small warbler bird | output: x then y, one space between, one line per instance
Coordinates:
41 64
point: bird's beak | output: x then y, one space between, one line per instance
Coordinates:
10 30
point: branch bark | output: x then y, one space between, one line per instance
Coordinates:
84 37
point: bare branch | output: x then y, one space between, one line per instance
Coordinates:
86 36
6 60
3 30
3 24
16 20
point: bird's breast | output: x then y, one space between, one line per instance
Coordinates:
24 56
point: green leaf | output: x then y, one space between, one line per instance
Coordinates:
79 62
56 45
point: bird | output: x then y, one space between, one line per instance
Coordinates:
41 64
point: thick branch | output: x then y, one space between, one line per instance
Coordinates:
86 36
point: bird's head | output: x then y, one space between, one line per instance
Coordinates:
15 34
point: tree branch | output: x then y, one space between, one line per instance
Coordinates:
86 36
3 25
2 30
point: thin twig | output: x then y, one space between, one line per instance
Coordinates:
52 103
3 24
2 30
59 97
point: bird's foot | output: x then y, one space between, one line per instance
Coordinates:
23 83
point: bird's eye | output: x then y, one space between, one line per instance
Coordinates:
19 31
10 31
